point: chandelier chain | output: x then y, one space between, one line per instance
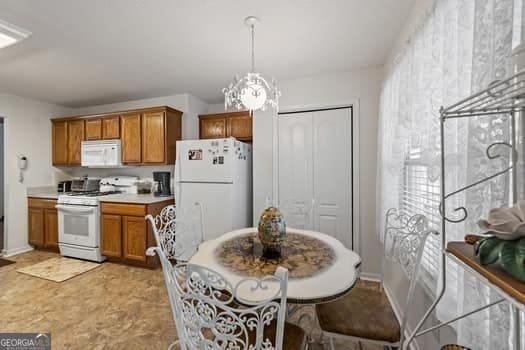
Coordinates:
253 48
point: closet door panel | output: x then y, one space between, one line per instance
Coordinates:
295 162
332 156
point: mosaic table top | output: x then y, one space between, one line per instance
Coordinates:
303 256
320 267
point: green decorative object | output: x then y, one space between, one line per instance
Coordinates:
272 231
510 255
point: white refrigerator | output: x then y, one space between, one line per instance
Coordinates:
217 173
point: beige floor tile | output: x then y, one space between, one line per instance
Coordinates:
111 307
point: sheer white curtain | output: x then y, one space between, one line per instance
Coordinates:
458 48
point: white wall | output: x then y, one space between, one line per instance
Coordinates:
333 89
27 132
419 12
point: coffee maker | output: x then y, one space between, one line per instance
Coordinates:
161 181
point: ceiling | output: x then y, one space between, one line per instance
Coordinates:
93 52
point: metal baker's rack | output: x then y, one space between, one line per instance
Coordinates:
503 97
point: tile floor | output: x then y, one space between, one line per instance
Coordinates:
110 307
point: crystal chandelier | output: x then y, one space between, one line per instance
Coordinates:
252 91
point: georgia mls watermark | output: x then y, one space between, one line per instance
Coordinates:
25 341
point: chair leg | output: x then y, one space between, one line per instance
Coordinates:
360 345
172 345
332 345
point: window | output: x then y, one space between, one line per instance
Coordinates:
420 195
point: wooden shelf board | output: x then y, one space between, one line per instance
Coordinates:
493 273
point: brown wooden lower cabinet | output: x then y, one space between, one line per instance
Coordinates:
36 226
42 223
111 235
50 228
126 235
135 238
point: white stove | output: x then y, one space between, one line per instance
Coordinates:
84 198
79 219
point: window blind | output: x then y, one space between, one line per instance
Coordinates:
420 195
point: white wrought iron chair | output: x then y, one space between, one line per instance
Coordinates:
167 227
178 233
250 317
365 314
297 213
211 314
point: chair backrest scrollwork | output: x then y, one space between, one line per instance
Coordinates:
213 314
404 241
178 233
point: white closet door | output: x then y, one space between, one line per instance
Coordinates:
333 173
315 162
295 163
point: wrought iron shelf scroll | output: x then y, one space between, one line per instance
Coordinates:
502 97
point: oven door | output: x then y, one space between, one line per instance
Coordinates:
78 225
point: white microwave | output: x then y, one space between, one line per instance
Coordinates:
101 154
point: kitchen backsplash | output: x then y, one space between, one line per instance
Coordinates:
144 172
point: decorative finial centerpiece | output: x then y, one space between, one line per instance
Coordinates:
272 232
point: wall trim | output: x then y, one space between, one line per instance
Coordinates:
399 314
367 276
354 104
16 251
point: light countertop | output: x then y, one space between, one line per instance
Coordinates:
135 198
114 198
45 195
44 192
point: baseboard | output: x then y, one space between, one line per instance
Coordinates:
16 251
370 276
399 314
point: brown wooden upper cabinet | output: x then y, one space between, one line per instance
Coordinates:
59 139
93 129
240 126
235 124
130 127
212 126
75 136
148 135
154 140
103 128
111 128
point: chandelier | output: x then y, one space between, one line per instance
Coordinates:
252 91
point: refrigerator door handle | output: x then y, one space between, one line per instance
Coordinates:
177 185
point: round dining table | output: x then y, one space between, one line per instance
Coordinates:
320 268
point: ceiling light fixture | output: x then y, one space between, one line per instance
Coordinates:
11 34
252 91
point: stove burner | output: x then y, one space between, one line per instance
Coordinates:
92 193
